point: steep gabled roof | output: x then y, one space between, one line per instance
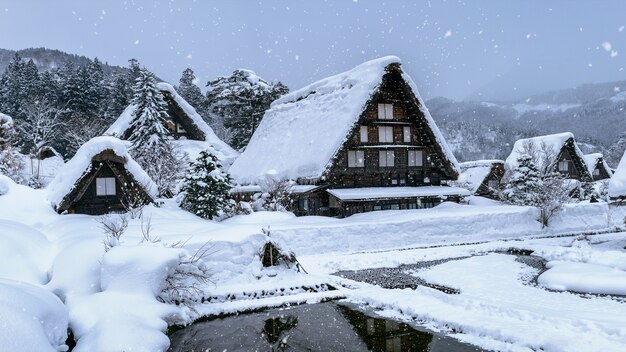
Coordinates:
617 183
303 130
592 160
79 166
225 153
554 142
473 173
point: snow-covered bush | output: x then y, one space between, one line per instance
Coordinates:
275 195
113 226
11 163
205 189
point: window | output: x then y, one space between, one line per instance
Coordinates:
385 134
596 172
385 111
412 206
356 158
403 182
415 158
493 184
386 158
406 133
394 181
363 133
377 207
303 204
563 166
105 186
180 129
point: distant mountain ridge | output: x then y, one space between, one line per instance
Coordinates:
48 59
595 113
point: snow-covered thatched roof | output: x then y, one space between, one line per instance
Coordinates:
553 143
225 153
302 131
592 160
80 165
617 183
473 173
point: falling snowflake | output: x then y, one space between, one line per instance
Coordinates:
448 34
606 46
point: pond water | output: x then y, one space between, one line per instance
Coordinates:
312 327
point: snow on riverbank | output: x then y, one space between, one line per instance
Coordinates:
584 277
108 293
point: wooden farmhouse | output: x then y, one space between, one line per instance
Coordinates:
598 168
481 177
186 126
555 152
355 142
101 178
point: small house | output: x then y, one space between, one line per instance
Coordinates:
186 126
481 177
598 168
362 140
99 179
552 153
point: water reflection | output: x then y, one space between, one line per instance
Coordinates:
317 327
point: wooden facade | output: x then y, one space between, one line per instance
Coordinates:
87 196
392 127
570 164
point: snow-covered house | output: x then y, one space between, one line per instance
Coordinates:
598 168
481 177
617 183
361 140
100 178
188 128
556 152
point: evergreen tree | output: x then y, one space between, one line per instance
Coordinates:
11 87
206 187
237 104
188 89
615 152
151 146
524 184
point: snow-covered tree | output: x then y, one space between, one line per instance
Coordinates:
10 159
41 125
151 146
190 91
205 189
526 185
237 104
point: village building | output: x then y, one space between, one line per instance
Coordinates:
361 140
186 126
598 168
552 153
617 184
101 178
481 177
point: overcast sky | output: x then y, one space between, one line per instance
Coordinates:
458 49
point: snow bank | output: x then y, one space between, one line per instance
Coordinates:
617 184
5 184
80 164
112 320
31 318
583 217
305 128
23 253
583 277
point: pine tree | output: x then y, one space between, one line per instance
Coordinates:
237 104
151 146
188 89
524 184
206 187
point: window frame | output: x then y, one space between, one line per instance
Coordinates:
363 134
385 111
414 161
406 134
385 134
563 163
386 158
106 186
353 158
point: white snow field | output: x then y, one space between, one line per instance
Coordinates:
55 268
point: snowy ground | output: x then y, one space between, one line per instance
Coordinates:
110 300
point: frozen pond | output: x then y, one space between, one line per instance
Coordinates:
313 327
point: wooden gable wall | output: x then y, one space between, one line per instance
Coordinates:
577 168
435 167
